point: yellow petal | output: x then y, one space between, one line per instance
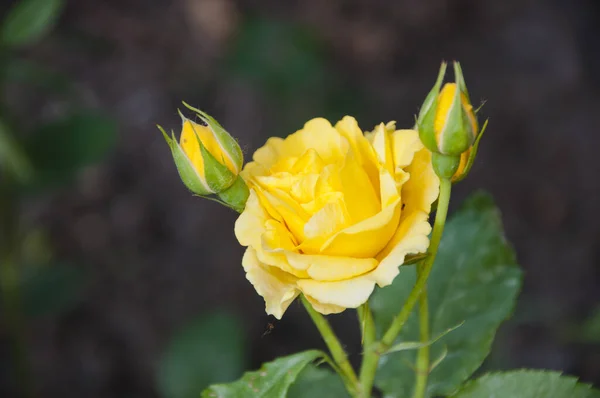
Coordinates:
189 143
366 238
400 176
284 164
359 193
423 187
268 154
303 190
382 143
309 162
268 237
361 147
464 158
208 139
251 170
444 107
277 237
320 201
329 268
349 293
251 223
388 190
329 181
264 202
277 241
330 219
405 144
470 114
277 259
317 134
325 309
410 238
282 181
276 287
283 207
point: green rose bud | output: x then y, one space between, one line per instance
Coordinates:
209 160
448 126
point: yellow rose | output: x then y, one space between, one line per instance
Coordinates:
333 212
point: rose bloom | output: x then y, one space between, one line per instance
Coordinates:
332 212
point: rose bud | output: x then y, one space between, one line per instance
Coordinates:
448 126
209 160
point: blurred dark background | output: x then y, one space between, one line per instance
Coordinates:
142 258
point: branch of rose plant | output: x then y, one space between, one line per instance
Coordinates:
335 348
371 359
422 365
367 325
368 339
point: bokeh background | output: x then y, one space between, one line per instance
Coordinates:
124 275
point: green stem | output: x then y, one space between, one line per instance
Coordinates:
370 357
436 236
422 365
400 319
335 348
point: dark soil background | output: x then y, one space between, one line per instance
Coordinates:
159 257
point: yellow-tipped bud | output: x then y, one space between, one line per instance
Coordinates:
209 160
468 157
448 126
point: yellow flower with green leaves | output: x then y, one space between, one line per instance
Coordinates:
333 212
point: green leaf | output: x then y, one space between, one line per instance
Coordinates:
36 247
414 345
59 149
526 384
272 380
589 332
51 289
414 258
434 362
475 279
12 157
281 58
28 20
207 350
187 172
315 381
27 72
